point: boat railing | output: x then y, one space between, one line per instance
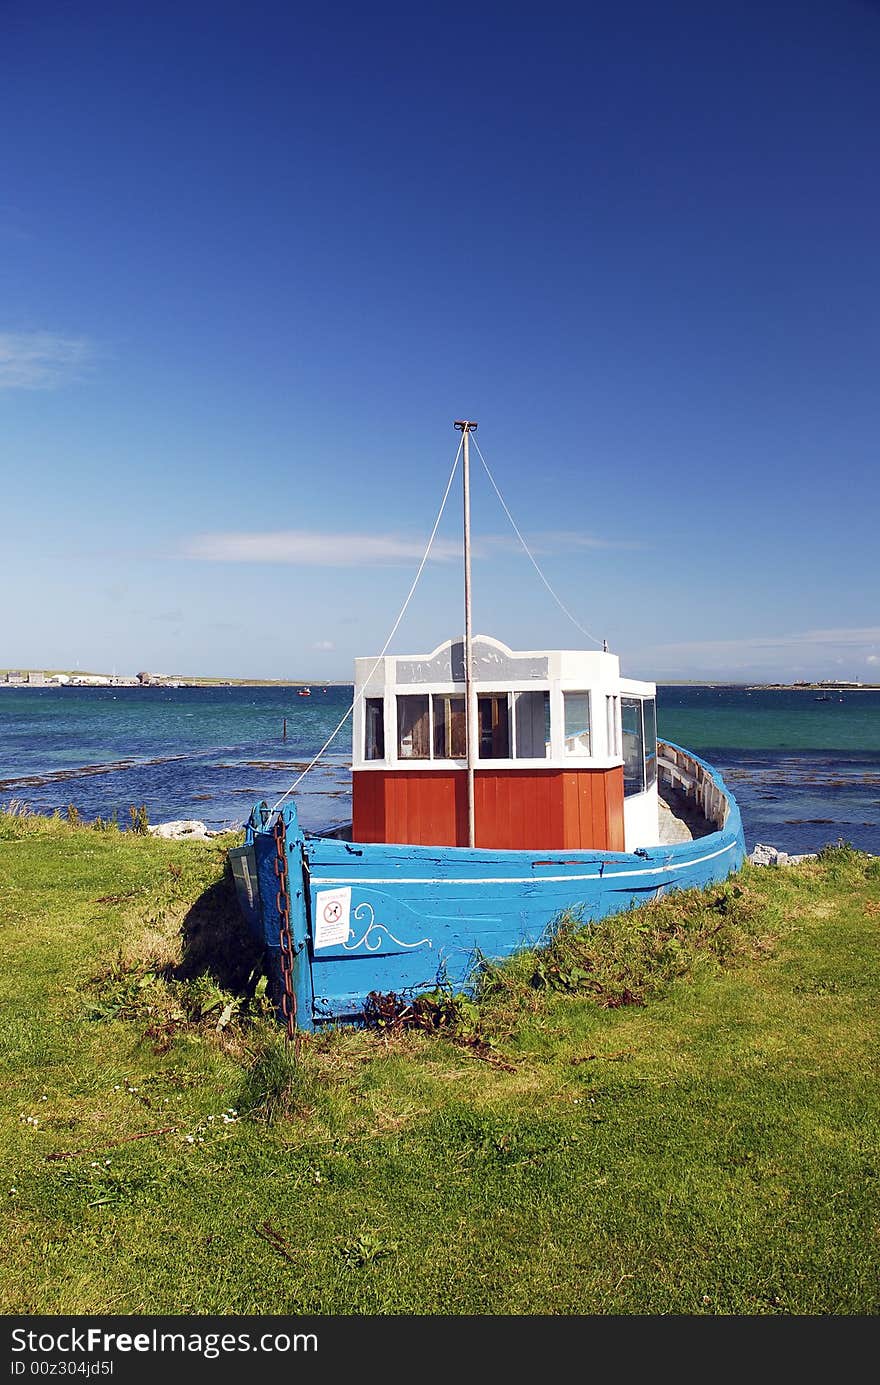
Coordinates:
696 783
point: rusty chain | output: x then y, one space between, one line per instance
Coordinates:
282 903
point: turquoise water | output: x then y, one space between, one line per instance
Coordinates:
804 772
207 753
770 719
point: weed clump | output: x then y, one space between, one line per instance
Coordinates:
845 864
618 961
18 821
630 957
279 1084
433 1010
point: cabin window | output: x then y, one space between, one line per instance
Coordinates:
493 718
633 745
374 728
531 712
576 706
413 728
639 719
649 713
450 731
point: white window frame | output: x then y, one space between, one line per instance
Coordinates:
579 754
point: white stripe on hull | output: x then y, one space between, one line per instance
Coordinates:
516 879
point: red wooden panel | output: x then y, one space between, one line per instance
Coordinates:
526 822
570 810
454 798
614 809
394 811
395 805
529 819
594 812
593 806
417 793
509 789
367 807
585 807
448 804
484 807
485 797
550 806
515 809
410 790
581 783
461 809
378 804
421 807
582 800
519 809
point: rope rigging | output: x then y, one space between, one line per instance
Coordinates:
361 693
595 639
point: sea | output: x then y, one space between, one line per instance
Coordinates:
804 766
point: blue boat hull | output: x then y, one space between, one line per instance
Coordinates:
366 917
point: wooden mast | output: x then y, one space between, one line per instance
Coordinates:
466 428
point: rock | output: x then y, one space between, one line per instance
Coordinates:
763 855
182 830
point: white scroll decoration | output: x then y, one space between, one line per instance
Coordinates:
372 939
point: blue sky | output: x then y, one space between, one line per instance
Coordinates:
255 259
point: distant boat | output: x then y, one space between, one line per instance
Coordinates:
823 698
304 692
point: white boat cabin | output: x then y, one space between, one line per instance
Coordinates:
565 750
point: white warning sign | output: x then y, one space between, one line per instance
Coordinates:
332 910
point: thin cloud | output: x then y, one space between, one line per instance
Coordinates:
41 360
846 638
570 539
795 652
307 548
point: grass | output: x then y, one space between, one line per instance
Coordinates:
675 1112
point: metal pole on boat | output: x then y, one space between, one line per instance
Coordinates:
470 721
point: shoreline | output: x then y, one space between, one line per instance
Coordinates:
87 680
174 682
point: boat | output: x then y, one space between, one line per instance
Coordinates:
303 692
493 790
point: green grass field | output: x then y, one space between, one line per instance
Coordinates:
676 1112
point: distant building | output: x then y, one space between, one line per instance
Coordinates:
156 679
